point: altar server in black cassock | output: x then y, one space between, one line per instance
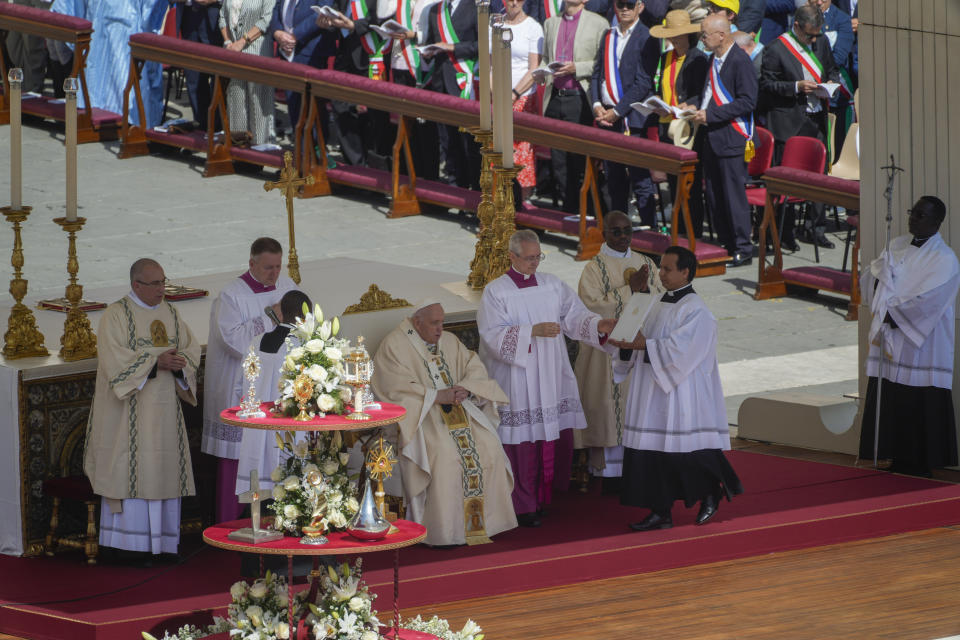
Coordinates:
675 427
727 111
912 292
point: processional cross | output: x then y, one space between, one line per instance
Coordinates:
289 185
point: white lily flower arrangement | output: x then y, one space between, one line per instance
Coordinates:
441 628
344 608
314 351
312 485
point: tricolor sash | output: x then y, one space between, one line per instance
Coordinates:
372 43
721 97
812 69
464 68
552 8
408 50
611 67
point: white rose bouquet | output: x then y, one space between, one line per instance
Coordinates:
313 485
314 366
344 608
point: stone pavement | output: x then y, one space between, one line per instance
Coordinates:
160 206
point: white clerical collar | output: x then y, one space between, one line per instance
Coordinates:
522 275
607 251
567 16
677 291
140 302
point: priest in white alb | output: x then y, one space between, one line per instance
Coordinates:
238 319
456 476
675 429
137 456
608 281
522 319
258 447
912 292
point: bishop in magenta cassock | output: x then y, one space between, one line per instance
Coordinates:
522 318
238 319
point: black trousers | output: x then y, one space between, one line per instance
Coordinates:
696 190
569 106
656 479
622 180
423 137
725 178
813 126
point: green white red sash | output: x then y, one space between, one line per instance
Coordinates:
372 43
407 50
721 97
464 68
611 67
812 69
552 8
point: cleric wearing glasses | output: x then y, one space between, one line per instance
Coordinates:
522 318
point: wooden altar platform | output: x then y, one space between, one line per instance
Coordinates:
44 402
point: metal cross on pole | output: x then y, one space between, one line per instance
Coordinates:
289 185
253 497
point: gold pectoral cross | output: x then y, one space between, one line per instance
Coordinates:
289 185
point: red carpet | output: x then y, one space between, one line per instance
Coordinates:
788 504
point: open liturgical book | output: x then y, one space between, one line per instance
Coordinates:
634 314
826 90
652 103
388 28
328 12
549 70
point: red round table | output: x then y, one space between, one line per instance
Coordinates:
340 543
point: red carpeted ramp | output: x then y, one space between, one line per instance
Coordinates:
788 504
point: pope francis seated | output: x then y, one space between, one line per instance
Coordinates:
456 477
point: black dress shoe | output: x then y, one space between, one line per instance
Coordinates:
528 520
790 245
653 522
708 509
822 241
741 260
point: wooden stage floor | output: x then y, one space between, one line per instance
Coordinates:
904 586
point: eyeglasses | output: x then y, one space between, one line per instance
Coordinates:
626 5
531 259
154 283
620 231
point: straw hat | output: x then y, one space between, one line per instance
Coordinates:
677 23
682 132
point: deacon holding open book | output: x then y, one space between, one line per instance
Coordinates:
793 68
522 319
675 427
608 282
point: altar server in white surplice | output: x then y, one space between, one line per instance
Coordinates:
456 477
912 293
675 430
522 319
237 320
258 447
137 455
608 281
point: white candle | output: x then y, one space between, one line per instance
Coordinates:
495 88
16 136
507 134
483 63
70 86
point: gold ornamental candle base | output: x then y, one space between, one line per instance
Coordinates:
22 338
503 222
485 238
78 341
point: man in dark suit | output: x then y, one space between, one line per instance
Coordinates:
726 112
361 52
792 66
460 50
197 21
626 61
300 39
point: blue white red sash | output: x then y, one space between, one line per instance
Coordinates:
611 67
721 97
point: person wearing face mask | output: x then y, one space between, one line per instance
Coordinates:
912 292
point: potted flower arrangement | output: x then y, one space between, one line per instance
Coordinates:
344 608
312 372
312 485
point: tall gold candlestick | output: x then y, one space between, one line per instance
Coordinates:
71 86
503 222
16 138
506 98
479 266
483 62
22 339
78 341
